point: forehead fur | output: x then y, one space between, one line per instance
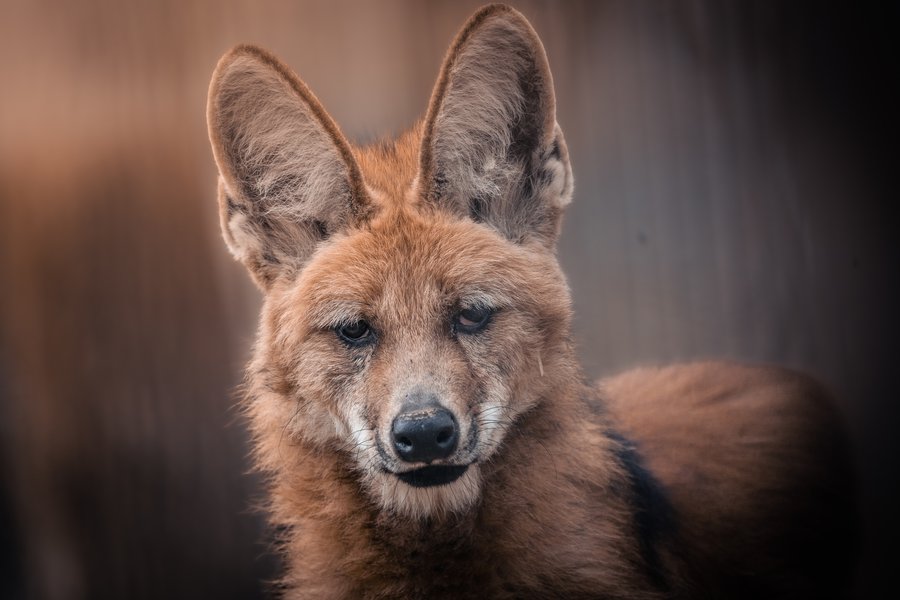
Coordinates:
389 167
410 263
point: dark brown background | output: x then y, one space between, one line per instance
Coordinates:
734 167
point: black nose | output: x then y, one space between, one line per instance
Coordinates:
424 436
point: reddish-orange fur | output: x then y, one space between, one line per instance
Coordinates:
704 480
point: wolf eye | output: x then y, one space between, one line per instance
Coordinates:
355 333
471 320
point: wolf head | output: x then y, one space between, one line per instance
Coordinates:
414 307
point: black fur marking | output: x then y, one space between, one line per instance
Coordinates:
546 176
439 184
478 209
554 150
654 515
321 228
232 206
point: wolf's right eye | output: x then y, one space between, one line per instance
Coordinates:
472 320
355 333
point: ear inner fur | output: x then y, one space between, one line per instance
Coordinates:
440 88
289 177
491 149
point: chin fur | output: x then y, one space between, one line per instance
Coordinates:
395 496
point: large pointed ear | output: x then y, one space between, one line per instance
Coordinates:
491 148
288 178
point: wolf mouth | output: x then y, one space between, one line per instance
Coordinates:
433 475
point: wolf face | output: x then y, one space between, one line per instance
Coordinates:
410 346
414 307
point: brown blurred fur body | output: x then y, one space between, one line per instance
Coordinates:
743 507
705 480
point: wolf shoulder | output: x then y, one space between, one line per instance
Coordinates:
756 465
720 405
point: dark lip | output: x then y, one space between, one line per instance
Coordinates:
432 475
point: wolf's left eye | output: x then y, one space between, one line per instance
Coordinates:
471 320
355 333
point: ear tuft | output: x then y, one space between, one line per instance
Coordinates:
287 175
491 147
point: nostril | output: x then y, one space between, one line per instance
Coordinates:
445 436
404 444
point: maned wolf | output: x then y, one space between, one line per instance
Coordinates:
414 393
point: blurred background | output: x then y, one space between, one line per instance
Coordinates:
734 166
